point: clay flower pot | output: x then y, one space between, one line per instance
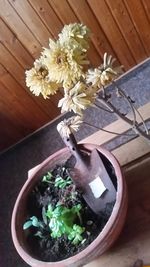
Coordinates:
103 241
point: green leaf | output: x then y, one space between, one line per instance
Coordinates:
56 228
47 177
49 174
49 212
27 225
61 222
35 221
44 215
62 183
76 234
58 211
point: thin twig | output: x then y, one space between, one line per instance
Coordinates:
99 107
127 120
111 132
134 109
122 93
100 100
146 129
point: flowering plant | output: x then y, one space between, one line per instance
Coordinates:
65 65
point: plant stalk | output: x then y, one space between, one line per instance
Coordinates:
135 126
107 131
132 106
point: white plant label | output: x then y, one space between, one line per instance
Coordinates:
97 187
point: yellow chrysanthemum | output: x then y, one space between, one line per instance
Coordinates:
104 74
64 63
76 33
77 99
67 126
38 82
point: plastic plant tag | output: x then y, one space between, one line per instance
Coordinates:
97 187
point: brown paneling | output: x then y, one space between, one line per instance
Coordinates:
23 33
21 99
10 41
146 5
120 27
18 117
17 71
32 21
47 15
109 25
124 22
9 133
140 20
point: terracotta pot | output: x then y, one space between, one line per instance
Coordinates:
103 241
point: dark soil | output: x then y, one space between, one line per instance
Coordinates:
55 249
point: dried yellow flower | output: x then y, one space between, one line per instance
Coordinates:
77 34
77 99
64 63
94 77
105 73
67 126
38 82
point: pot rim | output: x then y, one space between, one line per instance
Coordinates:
105 231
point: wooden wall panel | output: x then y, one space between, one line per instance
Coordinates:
48 16
140 21
120 27
112 31
23 101
127 29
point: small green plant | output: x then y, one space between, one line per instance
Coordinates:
47 178
40 225
62 183
33 221
59 219
62 222
75 234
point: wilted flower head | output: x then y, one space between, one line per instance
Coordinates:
77 99
105 73
38 82
94 77
67 126
64 63
77 34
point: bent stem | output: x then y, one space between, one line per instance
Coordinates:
102 108
130 102
107 131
